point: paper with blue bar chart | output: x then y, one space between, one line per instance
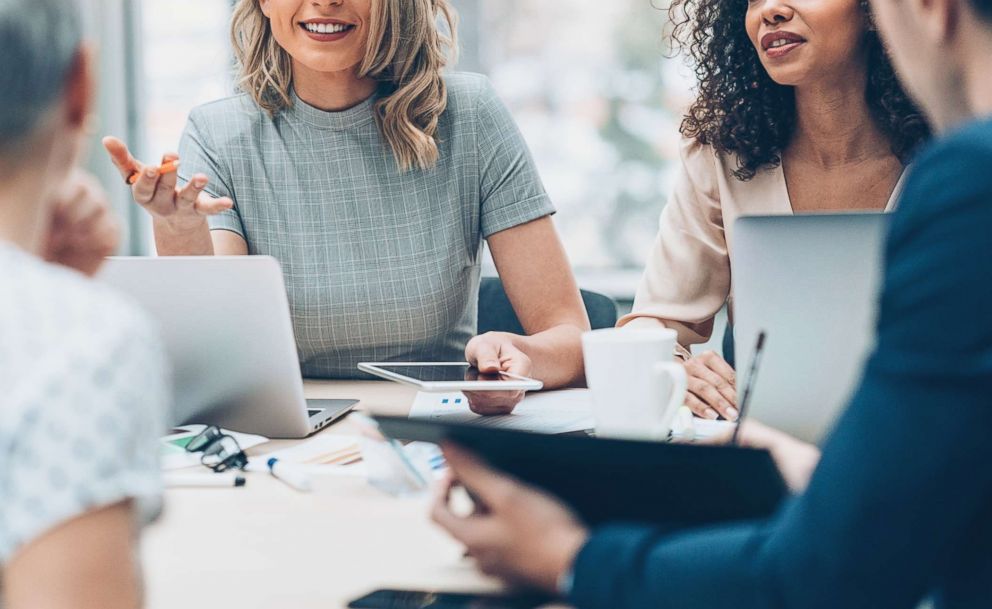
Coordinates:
552 412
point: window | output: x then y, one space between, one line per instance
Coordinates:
159 59
599 104
187 62
111 24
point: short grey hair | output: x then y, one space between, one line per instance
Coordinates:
39 43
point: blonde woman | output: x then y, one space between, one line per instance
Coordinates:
374 179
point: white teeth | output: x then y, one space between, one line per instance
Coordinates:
325 28
781 42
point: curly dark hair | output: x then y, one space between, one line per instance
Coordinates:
741 110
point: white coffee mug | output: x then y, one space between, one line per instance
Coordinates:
637 387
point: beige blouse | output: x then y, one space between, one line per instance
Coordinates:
687 278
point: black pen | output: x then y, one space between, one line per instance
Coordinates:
752 375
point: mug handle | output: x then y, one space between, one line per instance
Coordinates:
680 386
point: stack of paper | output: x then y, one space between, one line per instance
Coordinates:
324 450
551 412
702 430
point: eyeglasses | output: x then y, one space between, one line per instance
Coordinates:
220 451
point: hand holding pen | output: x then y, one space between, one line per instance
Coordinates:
155 188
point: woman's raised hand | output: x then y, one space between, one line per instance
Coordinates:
82 230
158 193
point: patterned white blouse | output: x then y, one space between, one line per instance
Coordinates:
83 397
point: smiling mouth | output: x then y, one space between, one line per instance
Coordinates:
327 28
781 42
782 47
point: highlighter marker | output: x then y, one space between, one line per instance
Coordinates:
292 477
167 167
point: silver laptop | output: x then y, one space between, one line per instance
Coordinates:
227 329
812 283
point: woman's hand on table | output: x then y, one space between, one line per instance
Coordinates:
712 387
517 532
492 353
158 193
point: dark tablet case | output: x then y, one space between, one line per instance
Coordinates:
674 485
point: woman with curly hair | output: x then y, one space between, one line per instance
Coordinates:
798 110
373 178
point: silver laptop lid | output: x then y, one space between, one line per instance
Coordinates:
812 283
227 329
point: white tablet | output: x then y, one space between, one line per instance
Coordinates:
454 376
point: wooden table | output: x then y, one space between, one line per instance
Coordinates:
268 546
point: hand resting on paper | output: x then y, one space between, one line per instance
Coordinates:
712 387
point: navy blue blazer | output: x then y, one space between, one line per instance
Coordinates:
900 507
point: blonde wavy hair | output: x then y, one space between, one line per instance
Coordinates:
407 51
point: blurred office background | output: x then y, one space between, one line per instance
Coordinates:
588 82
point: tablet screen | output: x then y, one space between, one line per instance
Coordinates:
443 374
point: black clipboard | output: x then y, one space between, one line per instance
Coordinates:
605 480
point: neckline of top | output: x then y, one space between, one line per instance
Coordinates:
783 185
355 116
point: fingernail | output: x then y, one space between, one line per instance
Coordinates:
150 172
732 413
199 183
711 414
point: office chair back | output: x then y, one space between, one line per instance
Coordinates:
496 313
